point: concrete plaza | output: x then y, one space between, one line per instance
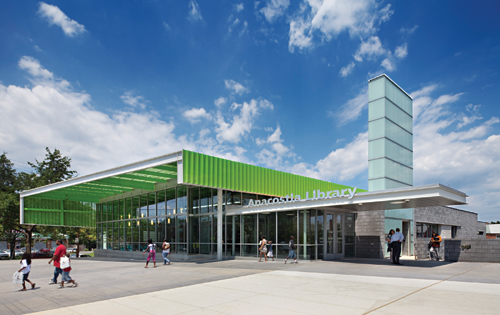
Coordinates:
248 287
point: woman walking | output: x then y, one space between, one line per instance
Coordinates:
270 250
389 245
25 270
152 252
263 248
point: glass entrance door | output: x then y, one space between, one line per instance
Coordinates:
334 235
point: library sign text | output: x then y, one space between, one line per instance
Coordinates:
316 195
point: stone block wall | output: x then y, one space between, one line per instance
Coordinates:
370 238
466 220
472 250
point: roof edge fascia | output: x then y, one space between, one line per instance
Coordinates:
128 168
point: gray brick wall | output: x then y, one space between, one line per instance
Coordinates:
370 238
469 226
481 250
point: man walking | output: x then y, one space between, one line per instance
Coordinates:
396 240
60 252
291 250
436 244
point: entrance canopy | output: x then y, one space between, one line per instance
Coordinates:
397 198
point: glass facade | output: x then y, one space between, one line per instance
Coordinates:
187 218
390 136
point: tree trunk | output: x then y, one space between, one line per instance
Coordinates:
12 243
29 236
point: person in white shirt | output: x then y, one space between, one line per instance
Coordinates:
25 270
165 251
396 240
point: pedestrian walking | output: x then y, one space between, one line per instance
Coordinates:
66 268
60 252
152 252
263 248
389 245
25 270
291 250
435 245
396 240
270 250
165 252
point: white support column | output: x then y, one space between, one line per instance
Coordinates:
219 224
21 211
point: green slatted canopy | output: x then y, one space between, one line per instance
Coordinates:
72 202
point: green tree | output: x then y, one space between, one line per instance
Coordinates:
54 168
9 205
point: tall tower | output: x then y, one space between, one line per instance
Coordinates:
390 135
390 165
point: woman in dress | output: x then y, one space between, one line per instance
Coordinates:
263 248
389 246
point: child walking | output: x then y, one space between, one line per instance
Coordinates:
152 252
66 277
270 250
25 270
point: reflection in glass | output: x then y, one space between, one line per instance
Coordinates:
340 239
160 205
128 208
205 200
171 204
181 199
180 229
136 210
249 228
287 226
194 200
170 223
144 206
267 226
152 204
329 234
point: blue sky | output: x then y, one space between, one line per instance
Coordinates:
281 84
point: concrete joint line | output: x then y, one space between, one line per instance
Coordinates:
403 297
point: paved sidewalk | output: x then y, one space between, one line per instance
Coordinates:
249 287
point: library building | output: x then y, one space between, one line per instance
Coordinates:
209 207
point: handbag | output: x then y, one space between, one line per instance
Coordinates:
17 278
64 262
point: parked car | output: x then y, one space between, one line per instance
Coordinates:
71 250
42 253
4 254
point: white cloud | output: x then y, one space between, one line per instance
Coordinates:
340 165
462 159
370 48
388 64
220 101
274 9
244 29
401 51
133 100
345 71
332 17
56 116
407 30
194 11
234 24
239 7
241 124
236 87
34 68
57 17
194 115
351 110
166 26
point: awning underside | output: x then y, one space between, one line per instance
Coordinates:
93 191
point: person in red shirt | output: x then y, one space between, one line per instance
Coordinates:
60 251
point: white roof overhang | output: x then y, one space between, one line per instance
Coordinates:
397 198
